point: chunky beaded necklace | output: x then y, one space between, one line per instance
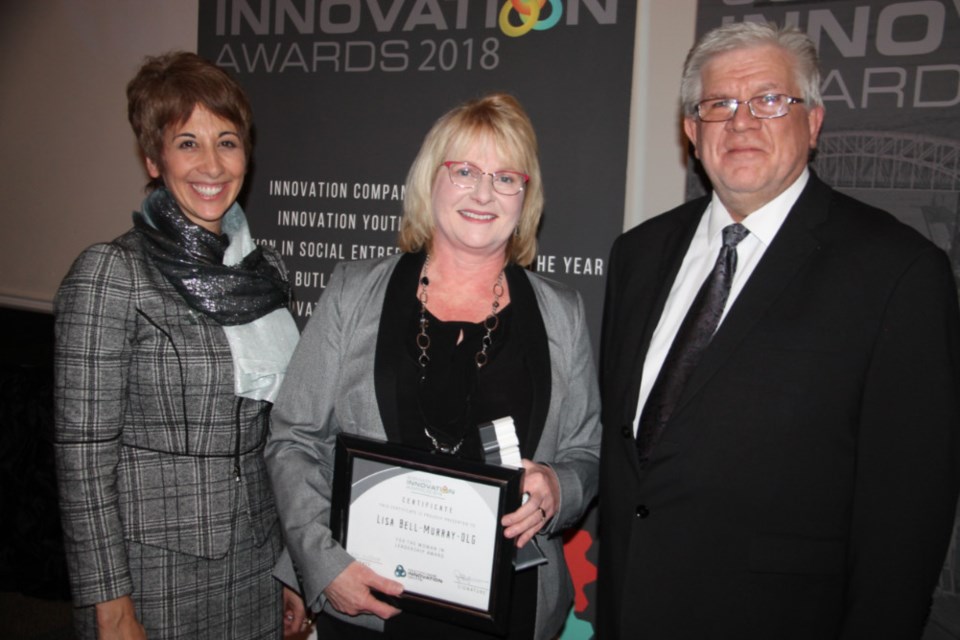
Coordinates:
490 324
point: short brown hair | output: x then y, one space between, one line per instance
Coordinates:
500 117
165 92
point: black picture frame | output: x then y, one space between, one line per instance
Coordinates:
505 480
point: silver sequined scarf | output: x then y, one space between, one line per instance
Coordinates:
191 258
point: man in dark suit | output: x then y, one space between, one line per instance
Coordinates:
780 448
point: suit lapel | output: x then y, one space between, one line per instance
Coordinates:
634 306
531 334
674 247
403 283
793 245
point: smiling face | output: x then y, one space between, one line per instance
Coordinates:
203 167
750 161
477 221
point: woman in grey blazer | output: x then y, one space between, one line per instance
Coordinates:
419 349
171 342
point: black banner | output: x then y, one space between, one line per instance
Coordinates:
344 91
891 88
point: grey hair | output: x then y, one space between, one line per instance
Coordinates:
746 35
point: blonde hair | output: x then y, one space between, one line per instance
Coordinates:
500 118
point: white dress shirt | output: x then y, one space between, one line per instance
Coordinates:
763 224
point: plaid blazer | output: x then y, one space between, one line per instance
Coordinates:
152 444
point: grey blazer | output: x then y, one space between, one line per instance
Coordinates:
152 444
330 388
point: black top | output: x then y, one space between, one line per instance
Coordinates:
451 397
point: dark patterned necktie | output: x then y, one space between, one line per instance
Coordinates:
694 335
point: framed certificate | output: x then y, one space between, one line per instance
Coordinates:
432 523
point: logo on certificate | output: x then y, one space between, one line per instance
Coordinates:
400 572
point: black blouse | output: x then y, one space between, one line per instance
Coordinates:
450 397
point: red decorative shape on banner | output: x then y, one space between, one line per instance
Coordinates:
521 5
582 570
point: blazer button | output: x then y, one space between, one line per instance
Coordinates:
642 511
626 431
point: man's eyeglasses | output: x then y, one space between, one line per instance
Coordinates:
467 176
765 107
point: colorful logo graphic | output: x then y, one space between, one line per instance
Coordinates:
529 12
427 487
400 572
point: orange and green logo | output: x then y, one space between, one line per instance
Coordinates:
529 13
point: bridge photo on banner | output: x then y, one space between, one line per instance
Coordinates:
891 137
343 92
891 88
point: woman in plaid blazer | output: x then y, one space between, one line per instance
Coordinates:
171 342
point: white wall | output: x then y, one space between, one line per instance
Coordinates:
70 173
657 162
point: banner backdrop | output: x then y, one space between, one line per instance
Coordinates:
891 87
891 137
343 92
